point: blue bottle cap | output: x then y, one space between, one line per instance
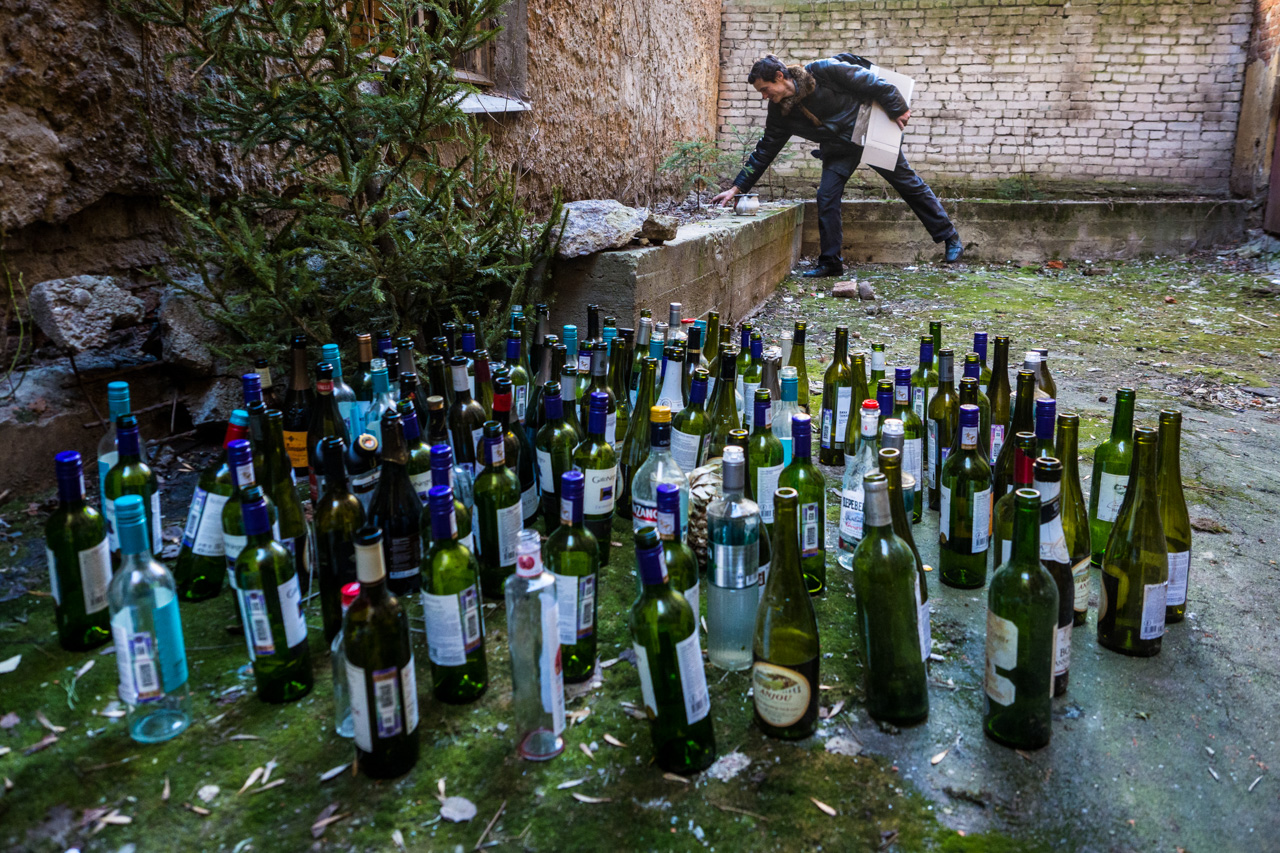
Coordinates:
1046 414
902 375
251 385
70 470
117 398
257 520
131 524
801 435
239 417
969 414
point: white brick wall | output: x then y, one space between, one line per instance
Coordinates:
1078 92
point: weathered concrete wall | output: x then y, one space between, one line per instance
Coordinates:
1259 105
1045 91
1033 231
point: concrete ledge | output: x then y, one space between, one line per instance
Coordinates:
731 264
888 232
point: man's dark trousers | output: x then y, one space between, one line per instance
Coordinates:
836 171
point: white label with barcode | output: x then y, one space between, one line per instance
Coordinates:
386 701
1179 565
95 576
851 515
254 604
446 643
295 627
981 520
912 462
208 536
766 485
932 465
693 679
684 449
510 523
1154 596
360 715
409 688
546 473
844 399
810 541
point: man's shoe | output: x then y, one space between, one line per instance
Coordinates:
954 249
824 271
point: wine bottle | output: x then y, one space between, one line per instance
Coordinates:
131 476
569 399
554 446
837 395
596 459
271 606
942 423
533 631
151 657
451 606
1022 615
860 461
270 393
787 408
1046 418
362 383
1056 560
619 364
1111 471
924 379
890 460
518 376
396 510
690 428
201 564
437 425
681 562
298 400
386 350
765 458
466 418
339 515
888 593
964 522
541 331
858 396
294 532
79 557
734 529
1075 513
752 377
935 335
723 408
743 357
670 395
644 333
977 397
419 455
572 555
660 467
326 420
383 400
884 399
877 362
600 383
797 361
243 477
343 394
913 436
998 394
381 675
693 361
1023 421
458 479
1050 387
519 453
785 651
980 350
673 683
498 513
117 405
484 385
1173 513
363 469
1024 455
807 481
535 411
1135 564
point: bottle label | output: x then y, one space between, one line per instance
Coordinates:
1006 550
95 576
529 501
550 663
346 411
208 538
933 466
1111 489
386 702
106 462
510 523
901 394
198 499
1154 597
362 486
611 428
1179 566
232 545
421 484
295 445
944 515
1053 540
810 537
1080 573
685 449
143 667
911 460
409 691
643 513
453 626
749 404
157 543
253 604
923 612
844 400
1062 650
968 438
851 515
52 562
359 706
404 556
477 447
522 401
693 678
461 379
917 403
781 695
734 566
766 485
546 472
691 595
646 680
295 626
599 494
576 601
981 521
1002 654
584 364
468 541
997 441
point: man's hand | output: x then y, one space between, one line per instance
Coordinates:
724 198
903 119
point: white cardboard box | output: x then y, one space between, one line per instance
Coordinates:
884 137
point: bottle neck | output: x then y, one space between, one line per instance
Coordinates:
495 455
444 523
652 567
878 515
298 379
1122 425
660 436
946 371
1026 533
1169 443
571 509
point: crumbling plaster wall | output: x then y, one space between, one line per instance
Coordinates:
1260 104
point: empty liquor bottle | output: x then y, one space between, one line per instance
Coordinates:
690 428
877 362
381 677
802 476
363 469
980 349
1135 564
202 565
785 410
671 393
837 395
151 657
596 459
998 394
1022 618
451 607
600 384
913 437
860 393
1003 510
971 392
887 587
1075 512
942 421
785 651
1046 419
572 555
396 510
117 405
743 362
294 532
1111 474
890 460
270 393
533 632
343 394
519 377
362 383
964 521
131 476
797 360
466 417
535 411
297 410
1024 420
924 379
326 420
1046 379
519 453
271 607
383 400
765 458
419 464
339 515
860 461
659 468
1173 513
79 558
734 528
498 514
752 377
554 446
1056 560
693 360
723 408
673 683
681 562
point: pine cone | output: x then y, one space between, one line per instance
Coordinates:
704 486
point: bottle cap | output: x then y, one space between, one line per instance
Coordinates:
659 414
251 385
870 405
131 524
969 415
349 594
529 554
572 483
257 519
330 352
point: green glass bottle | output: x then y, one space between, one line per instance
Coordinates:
692 425
271 606
877 362
117 404
619 364
457 478
681 562
724 406
326 420
644 333
765 458
419 465
596 459
971 392
811 510
797 360
548 371
498 513
673 682
785 651
1022 615
1135 565
1173 514
600 383
924 381
1056 560
888 592
362 382
568 395
298 400
339 515
202 565
79 557
381 676
942 422
572 555
890 464
466 417
693 361
913 436
744 356
635 446
451 607
1024 420
998 393
859 395
1075 512
837 396
1111 472
964 521
518 375
752 378
935 337
984 372
1024 455
243 477
519 452
294 533
396 510
554 445
131 476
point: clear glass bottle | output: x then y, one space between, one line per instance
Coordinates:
117 405
343 722
659 468
79 557
733 567
787 409
671 394
860 461
533 631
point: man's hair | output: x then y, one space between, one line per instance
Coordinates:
767 68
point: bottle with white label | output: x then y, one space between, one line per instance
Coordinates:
887 589
396 510
243 477
678 557
811 508
596 459
1022 619
419 464
533 632
752 378
131 476
942 419
837 396
659 468
671 394
451 607
466 416
343 722
924 385
998 392
1056 560
1023 447
572 556
381 676
519 452
1111 466
1135 567
734 528
877 362
518 375
690 428
117 405
554 445
201 566
859 462
765 457
1173 514
673 681
151 657
913 437
271 607
1023 420
964 520
1075 512
79 557
497 514
339 516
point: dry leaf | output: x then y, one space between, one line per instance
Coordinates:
8 784
457 809
334 772
207 793
1214 774
825 687
828 713
9 720
44 721
5 750
440 788
325 818
1255 784
397 838
252 780
116 819
268 770
244 737
941 755
164 795
203 812
575 717
608 663
583 798
613 740
85 667
268 786
45 742
671 777
10 664
572 783
826 809
587 750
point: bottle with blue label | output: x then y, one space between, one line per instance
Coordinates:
150 654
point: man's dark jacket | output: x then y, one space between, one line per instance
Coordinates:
831 92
